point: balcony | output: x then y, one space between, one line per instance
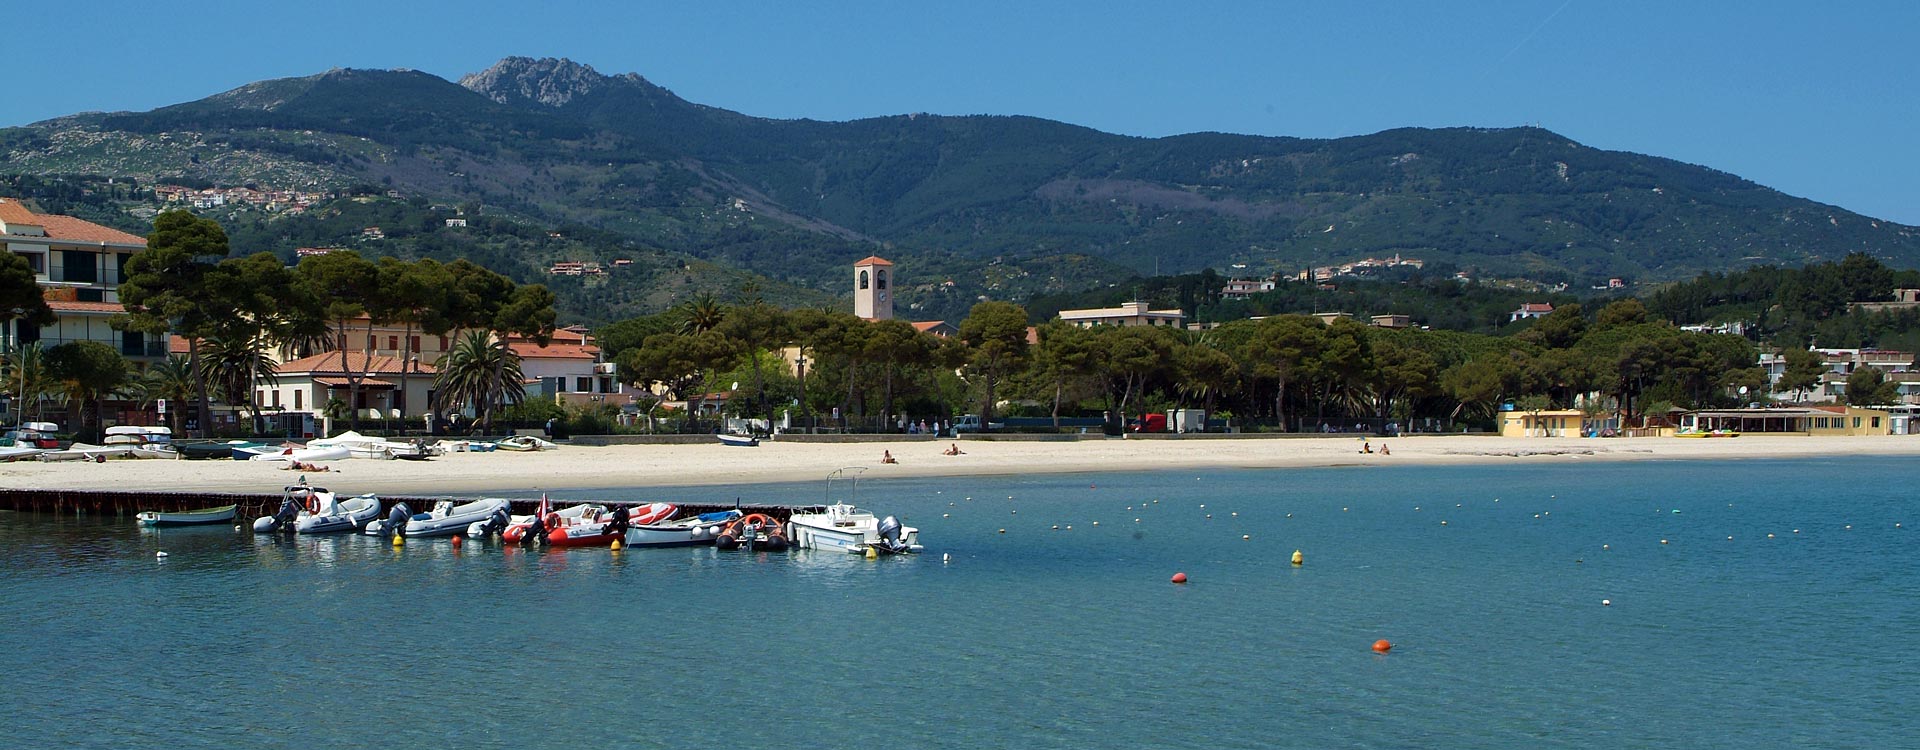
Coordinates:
145 349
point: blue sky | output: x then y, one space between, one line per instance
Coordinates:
1820 102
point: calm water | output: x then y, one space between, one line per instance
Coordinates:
1031 638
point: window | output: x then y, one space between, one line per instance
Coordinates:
443 343
80 265
1876 423
89 295
120 266
582 385
880 278
259 396
1856 423
372 342
38 261
413 343
393 343
863 279
276 398
296 399
133 343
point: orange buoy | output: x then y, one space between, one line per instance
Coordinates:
1179 578
1382 645
456 540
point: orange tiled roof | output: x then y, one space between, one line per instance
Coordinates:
329 363
555 350
927 325
12 212
81 230
873 260
86 307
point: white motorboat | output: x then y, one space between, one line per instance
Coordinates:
841 526
317 510
367 446
138 434
700 529
304 455
446 518
87 452
524 443
846 528
741 441
16 452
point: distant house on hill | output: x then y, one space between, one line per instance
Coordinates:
1530 310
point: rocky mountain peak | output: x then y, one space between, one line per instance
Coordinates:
549 81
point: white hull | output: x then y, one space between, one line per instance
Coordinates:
307 455
845 528
444 521
351 514
686 532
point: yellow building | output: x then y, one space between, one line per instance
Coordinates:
1545 423
1823 421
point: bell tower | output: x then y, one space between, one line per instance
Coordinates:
873 288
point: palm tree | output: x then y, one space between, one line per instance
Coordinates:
701 314
234 367
480 375
171 379
35 387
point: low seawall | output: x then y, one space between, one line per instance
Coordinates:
101 503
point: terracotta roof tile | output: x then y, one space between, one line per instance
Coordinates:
81 230
873 260
13 212
329 363
86 307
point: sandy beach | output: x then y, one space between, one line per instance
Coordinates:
584 467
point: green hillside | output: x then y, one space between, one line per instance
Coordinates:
1002 207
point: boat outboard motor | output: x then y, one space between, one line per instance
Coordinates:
890 534
497 523
397 519
289 512
536 531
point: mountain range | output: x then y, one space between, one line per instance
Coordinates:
967 206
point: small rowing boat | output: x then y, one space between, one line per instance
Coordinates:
221 514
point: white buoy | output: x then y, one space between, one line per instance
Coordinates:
1244 537
945 558
1606 602
1209 515
1056 527
1096 523
1236 514
162 553
946 515
1606 546
1443 523
1203 505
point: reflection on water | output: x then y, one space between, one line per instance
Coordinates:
1036 637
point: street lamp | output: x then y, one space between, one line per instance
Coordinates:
801 363
19 363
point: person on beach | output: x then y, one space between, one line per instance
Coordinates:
953 449
886 457
1384 451
1366 447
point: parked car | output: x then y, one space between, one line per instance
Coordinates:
971 423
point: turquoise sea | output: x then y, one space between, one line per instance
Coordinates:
1489 581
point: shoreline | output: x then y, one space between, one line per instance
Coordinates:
579 468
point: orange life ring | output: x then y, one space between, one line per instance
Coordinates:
553 520
313 504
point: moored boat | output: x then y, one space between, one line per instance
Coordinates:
606 528
741 441
220 514
841 526
446 518
685 532
752 531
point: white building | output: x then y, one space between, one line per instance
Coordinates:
1127 314
79 266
